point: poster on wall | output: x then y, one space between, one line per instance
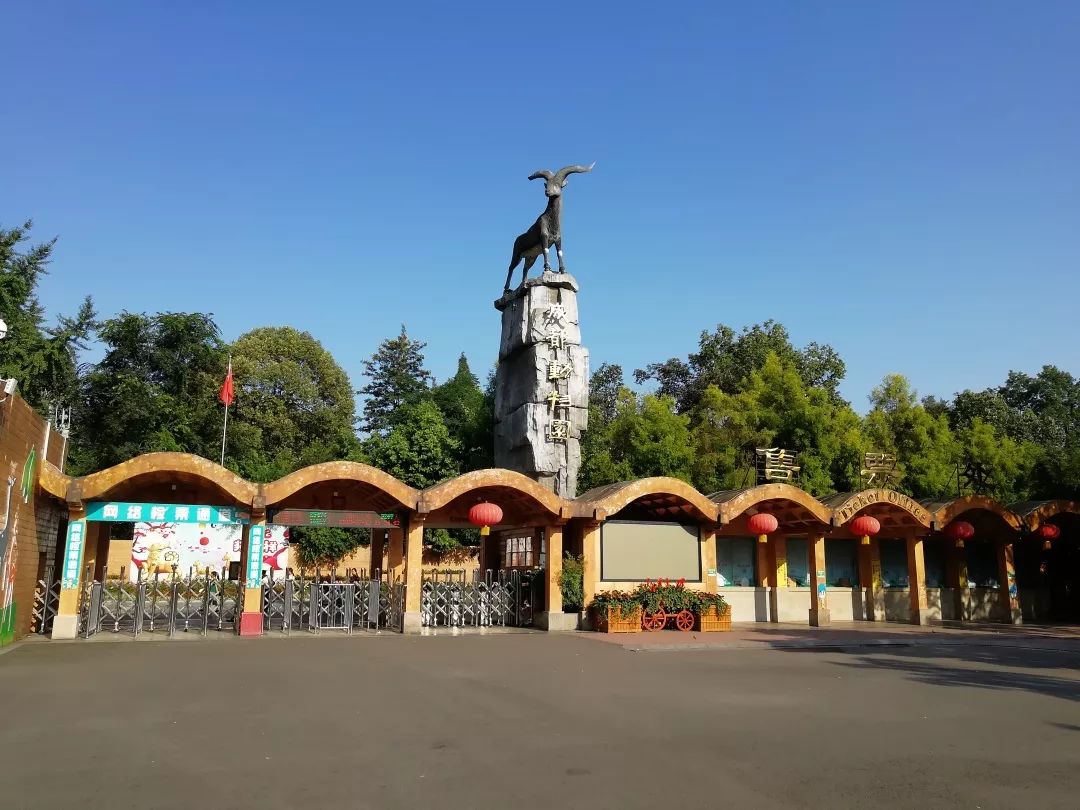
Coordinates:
194 547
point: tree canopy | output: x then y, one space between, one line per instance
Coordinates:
43 359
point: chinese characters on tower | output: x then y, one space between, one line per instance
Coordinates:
559 371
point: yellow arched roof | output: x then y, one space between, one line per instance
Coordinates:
439 495
670 495
847 505
292 483
944 512
734 502
1034 513
155 466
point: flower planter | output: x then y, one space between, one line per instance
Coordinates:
712 622
609 621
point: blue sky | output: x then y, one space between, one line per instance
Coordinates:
901 180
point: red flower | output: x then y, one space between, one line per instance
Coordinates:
682 582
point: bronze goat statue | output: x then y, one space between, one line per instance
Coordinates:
547 230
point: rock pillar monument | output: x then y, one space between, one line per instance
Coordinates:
542 382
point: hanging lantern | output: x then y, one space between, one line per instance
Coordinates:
763 524
960 530
485 515
865 526
1049 532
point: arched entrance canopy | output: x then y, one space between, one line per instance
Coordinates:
1034 513
156 476
795 509
945 512
366 484
897 512
522 499
652 498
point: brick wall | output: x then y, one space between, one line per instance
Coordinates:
32 523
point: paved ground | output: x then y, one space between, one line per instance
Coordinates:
531 720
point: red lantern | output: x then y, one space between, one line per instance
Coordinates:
763 524
960 530
1049 532
485 515
865 526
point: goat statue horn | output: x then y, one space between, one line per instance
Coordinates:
565 171
544 173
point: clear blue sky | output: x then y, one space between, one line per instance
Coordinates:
901 180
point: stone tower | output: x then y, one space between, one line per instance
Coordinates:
542 383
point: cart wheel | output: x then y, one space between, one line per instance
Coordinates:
684 620
652 622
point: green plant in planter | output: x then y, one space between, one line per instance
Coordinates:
618 604
571 583
661 593
704 601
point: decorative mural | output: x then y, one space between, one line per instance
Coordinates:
194 547
9 544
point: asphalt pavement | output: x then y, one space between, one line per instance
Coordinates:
529 720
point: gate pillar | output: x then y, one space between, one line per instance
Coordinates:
918 610
553 618
819 601
251 558
414 560
590 556
66 621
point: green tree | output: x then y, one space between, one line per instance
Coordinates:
396 378
726 358
419 449
155 389
43 359
924 444
648 438
774 408
598 467
996 465
467 416
294 404
326 545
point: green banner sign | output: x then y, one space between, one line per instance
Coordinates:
164 513
333 517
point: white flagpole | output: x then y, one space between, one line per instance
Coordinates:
225 427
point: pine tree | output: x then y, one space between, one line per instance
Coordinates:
397 378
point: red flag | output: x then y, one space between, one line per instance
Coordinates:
227 394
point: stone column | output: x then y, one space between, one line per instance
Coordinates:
708 557
1010 602
553 617
251 554
542 383
66 621
779 575
957 576
590 555
414 550
764 572
395 553
866 580
916 565
819 603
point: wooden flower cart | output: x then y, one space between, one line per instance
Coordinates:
682 619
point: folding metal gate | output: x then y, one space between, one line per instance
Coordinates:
201 602
503 598
165 603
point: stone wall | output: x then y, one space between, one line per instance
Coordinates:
31 521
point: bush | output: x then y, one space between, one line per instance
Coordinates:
620 604
571 583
